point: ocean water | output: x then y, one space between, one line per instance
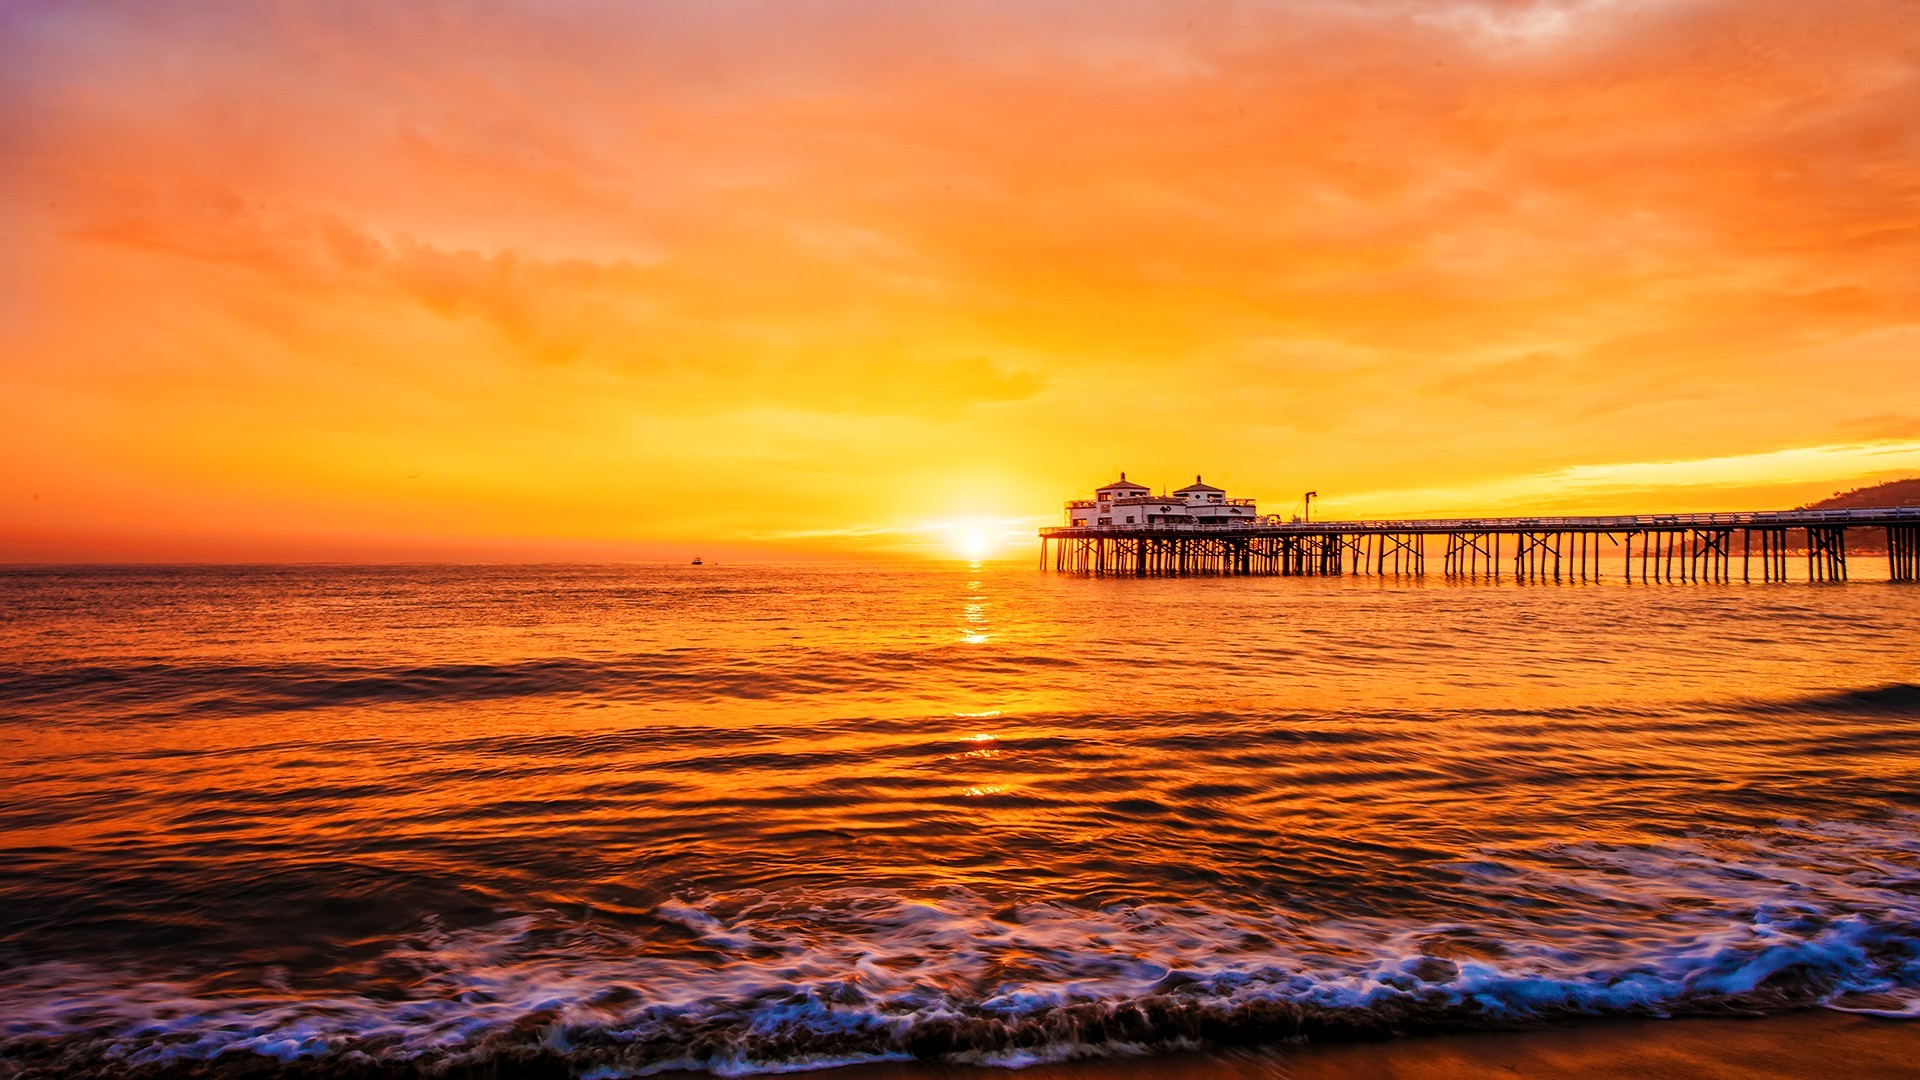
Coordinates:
612 821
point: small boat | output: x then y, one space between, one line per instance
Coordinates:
696 560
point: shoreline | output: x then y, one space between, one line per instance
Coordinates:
1787 1046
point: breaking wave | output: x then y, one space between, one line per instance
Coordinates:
766 982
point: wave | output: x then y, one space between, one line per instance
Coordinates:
159 1029
1892 699
756 982
156 689
212 689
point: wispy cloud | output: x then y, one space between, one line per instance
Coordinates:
1632 485
999 533
807 265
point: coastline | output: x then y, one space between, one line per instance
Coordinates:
1788 1046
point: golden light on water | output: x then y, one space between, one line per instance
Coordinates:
973 615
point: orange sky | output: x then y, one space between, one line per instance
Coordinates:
610 281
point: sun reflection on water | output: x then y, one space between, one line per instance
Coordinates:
973 615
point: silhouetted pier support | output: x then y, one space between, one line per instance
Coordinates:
1903 553
1827 554
1771 553
1470 554
1651 548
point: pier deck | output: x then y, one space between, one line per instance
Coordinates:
1648 547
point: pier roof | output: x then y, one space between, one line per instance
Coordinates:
1198 486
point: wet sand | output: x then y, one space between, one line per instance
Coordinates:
1818 1043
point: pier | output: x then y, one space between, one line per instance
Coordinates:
1766 546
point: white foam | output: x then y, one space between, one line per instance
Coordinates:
1815 914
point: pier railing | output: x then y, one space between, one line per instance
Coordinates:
1756 519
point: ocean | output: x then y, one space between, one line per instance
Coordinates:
614 820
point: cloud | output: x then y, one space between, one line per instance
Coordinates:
621 315
1640 483
876 249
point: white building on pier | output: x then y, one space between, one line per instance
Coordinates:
1124 503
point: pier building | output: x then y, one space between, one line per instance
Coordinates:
1124 502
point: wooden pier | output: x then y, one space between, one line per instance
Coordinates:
1766 546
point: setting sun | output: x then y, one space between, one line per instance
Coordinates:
973 543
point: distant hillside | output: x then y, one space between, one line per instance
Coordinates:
1892 493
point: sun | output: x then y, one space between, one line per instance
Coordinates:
973 544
